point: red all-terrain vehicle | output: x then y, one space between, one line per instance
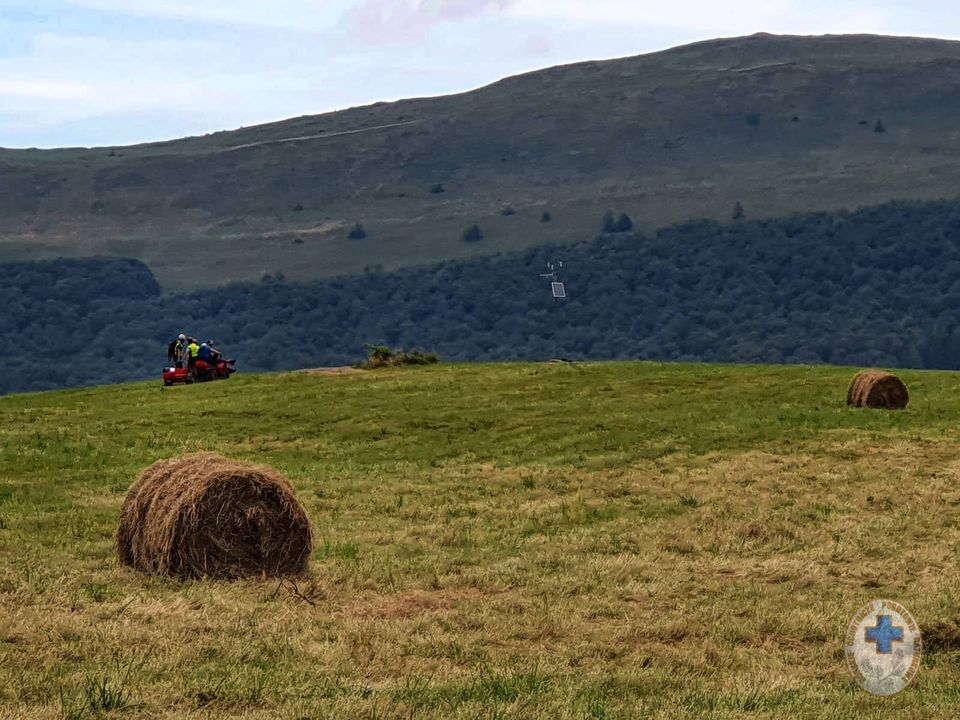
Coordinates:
202 372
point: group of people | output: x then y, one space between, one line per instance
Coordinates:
184 352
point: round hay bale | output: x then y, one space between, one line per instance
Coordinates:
877 389
204 515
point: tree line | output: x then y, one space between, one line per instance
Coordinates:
878 286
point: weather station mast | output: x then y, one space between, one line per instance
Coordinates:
559 291
556 285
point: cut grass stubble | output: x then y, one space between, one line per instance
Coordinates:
640 540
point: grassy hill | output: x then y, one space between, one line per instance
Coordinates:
779 124
535 541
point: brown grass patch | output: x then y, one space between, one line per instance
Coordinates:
943 636
344 370
413 604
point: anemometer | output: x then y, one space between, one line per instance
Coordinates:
556 285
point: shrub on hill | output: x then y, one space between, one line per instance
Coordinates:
609 222
473 234
379 356
617 225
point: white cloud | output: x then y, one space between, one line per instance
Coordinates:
399 21
309 15
103 57
691 14
72 79
39 89
711 19
370 19
217 64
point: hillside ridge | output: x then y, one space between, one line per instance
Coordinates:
779 124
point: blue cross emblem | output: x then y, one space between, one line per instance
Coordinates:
884 634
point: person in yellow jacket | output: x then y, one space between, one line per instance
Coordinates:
190 353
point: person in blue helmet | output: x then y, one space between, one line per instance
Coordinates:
217 355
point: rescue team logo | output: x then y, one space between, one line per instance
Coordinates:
883 647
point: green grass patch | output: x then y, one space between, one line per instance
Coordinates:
643 540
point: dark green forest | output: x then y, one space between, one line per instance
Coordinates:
879 286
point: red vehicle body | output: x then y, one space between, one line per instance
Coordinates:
202 372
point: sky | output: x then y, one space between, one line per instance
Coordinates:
112 72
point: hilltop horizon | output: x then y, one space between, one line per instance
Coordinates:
772 125
532 71
111 73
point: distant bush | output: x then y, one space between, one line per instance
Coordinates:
753 120
546 217
437 189
473 234
379 356
298 208
508 211
879 128
357 233
738 213
609 222
617 225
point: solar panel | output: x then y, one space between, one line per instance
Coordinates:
558 290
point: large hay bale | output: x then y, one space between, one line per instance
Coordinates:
877 389
204 515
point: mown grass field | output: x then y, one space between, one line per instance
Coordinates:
513 541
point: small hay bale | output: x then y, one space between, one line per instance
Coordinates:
877 389
203 515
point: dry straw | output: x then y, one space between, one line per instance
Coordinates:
877 389
204 515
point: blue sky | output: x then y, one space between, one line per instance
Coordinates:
102 72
